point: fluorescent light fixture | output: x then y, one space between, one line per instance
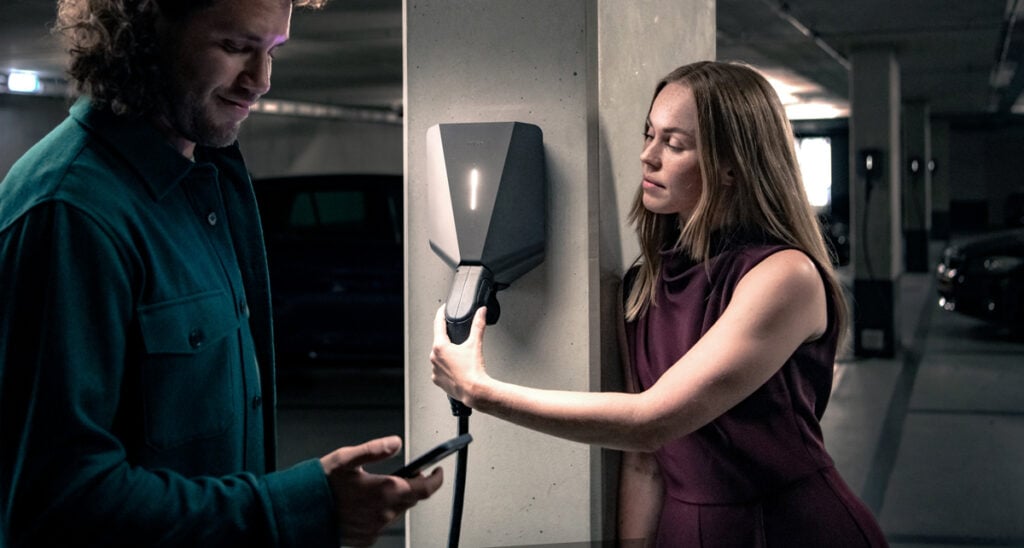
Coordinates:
362 114
816 111
23 82
786 92
802 98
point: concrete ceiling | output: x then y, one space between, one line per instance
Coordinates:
947 50
950 52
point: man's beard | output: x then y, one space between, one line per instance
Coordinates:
187 116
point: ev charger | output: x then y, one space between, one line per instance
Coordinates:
486 195
486 189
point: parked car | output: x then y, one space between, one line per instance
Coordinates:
334 248
984 278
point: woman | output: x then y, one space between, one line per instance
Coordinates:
733 316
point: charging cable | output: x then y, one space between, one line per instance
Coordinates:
472 288
459 495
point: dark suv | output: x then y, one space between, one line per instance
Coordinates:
334 247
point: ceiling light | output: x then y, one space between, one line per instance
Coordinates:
816 111
802 98
23 82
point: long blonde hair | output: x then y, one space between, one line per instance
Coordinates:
741 124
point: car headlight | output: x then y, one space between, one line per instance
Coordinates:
1001 264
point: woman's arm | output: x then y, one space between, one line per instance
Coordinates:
640 495
777 306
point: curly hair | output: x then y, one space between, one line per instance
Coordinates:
113 48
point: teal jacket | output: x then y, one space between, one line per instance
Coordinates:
136 360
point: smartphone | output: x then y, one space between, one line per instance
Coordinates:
421 462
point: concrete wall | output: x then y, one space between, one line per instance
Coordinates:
283 145
582 70
875 104
986 167
917 187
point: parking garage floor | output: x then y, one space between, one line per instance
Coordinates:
933 440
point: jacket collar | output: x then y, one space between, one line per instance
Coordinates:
138 142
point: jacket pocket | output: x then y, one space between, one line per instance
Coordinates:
190 369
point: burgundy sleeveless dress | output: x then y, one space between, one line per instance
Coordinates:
759 474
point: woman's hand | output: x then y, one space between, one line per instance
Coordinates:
604 418
459 368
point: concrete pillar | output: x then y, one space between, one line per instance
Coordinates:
876 235
578 70
584 71
939 168
917 185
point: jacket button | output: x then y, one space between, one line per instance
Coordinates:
212 218
257 401
196 338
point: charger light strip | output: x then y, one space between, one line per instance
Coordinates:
474 183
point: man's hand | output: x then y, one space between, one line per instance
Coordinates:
367 503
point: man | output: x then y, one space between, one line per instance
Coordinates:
136 362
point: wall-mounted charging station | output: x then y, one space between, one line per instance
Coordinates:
486 188
870 166
486 193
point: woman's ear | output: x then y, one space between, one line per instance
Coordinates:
728 175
